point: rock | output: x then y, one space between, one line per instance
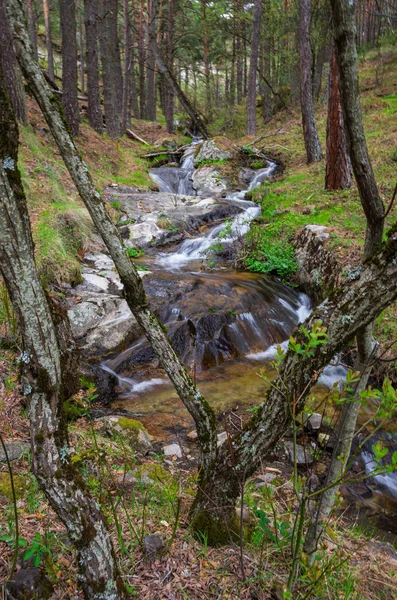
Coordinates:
152 546
114 330
222 437
147 474
141 235
304 456
173 450
209 151
265 479
15 449
246 516
192 436
318 269
384 548
95 283
29 584
313 422
207 181
21 485
132 430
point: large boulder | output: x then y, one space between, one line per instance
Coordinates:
209 151
208 181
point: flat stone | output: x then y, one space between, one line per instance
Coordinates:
319 230
304 456
209 151
15 449
95 282
173 450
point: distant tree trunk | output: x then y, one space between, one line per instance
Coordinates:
50 57
49 375
111 67
230 90
169 97
251 92
10 68
69 64
134 106
239 54
267 98
207 66
32 25
126 118
338 174
312 143
151 64
140 26
91 41
81 46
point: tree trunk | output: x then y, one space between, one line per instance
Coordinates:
338 174
11 72
140 16
32 25
198 407
81 46
47 379
91 40
126 118
69 64
251 93
169 98
151 64
134 106
312 143
50 57
111 67
207 66
239 57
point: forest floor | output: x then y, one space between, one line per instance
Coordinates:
355 561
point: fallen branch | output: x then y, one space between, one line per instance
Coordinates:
262 137
133 135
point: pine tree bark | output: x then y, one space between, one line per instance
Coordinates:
170 96
312 143
50 56
134 105
207 66
338 174
48 374
151 63
11 72
251 91
32 25
126 117
239 57
112 79
95 117
140 27
198 407
81 46
69 64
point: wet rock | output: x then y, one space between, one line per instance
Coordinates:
318 269
29 584
142 235
173 450
15 449
209 151
95 283
304 456
208 181
133 431
152 547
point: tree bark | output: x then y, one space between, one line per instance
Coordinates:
91 40
11 72
32 25
338 174
69 64
198 407
50 56
81 46
126 117
239 57
169 96
207 66
312 143
111 66
140 26
46 377
151 63
251 92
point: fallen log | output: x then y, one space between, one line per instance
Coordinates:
133 135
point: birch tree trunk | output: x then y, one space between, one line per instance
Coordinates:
312 143
198 407
251 92
48 374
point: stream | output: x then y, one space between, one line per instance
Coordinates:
226 326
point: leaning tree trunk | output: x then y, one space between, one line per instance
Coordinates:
111 66
346 54
251 92
312 143
338 175
198 407
48 373
11 72
91 41
50 56
69 64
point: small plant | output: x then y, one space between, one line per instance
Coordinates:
115 204
134 252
